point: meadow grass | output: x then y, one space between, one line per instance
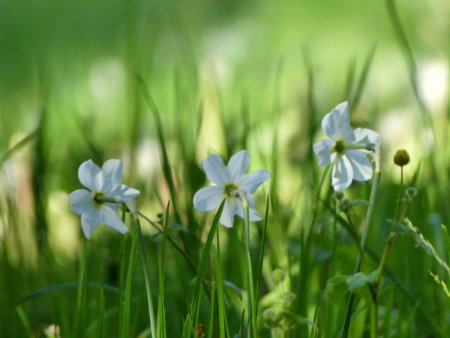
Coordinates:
178 272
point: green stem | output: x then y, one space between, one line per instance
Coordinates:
146 277
250 286
179 249
172 241
351 299
399 197
370 146
374 315
387 249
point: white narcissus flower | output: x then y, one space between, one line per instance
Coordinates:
346 148
100 203
231 184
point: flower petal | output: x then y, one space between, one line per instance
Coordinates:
81 201
208 198
252 213
124 193
366 136
336 124
90 221
90 176
228 212
362 168
112 175
215 170
112 219
238 164
251 181
342 175
323 150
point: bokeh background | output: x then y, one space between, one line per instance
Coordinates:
225 75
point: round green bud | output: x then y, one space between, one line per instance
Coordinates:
338 195
278 275
401 157
411 191
289 298
272 317
345 204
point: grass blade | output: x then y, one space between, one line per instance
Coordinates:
194 308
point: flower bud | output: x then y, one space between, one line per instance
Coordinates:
289 298
272 317
338 195
411 191
278 275
345 205
401 157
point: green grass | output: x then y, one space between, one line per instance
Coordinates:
162 84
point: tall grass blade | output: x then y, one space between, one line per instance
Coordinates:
80 309
354 101
167 169
161 317
101 314
19 145
194 308
258 279
220 291
125 324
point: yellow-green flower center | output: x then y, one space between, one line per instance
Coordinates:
98 198
229 188
339 147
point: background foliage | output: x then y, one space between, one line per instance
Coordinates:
224 75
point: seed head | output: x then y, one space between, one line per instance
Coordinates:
278 275
401 157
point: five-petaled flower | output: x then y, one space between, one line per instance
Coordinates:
348 149
101 202
231 184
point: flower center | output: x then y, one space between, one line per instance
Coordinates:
98 198
339 147
229 188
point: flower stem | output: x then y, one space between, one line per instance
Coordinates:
251 332
399 197
374 315
146 277
351 299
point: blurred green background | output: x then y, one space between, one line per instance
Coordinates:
225 75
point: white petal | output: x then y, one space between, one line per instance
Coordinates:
112 219
208 198
228 212
362 168
112 175
336 124
90 176
81 201
251 181
215 170
238 164
342 175
323 150
366 136
90 221
124 193
252 213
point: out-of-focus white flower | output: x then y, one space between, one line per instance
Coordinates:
231 184
100 203
346 148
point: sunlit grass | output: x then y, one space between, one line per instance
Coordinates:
162 85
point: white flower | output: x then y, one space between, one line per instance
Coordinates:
100 203
346 148
231 184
